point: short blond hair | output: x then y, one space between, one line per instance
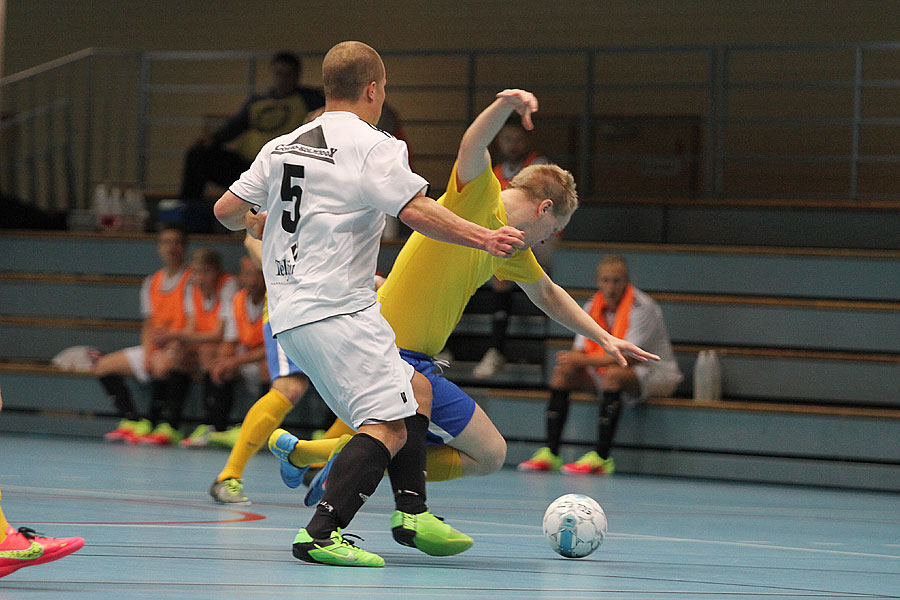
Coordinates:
551 182
348 68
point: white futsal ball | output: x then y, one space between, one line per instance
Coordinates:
574 525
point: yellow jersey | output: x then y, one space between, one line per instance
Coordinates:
431 282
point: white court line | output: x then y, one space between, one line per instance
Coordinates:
621 536
625 536
755 545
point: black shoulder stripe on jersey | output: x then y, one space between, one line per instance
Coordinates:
379 130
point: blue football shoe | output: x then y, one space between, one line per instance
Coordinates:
281 444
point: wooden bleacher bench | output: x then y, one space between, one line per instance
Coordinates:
726 404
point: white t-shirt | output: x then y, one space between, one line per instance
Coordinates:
646 329
326 186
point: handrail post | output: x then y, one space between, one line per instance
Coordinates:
68 158
31 127
584 151
143 121
473 83
857 116
88 127
721 118
50 156
709 154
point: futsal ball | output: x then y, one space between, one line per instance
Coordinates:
574 525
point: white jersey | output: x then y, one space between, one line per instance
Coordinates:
326 186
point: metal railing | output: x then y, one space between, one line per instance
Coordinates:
668 121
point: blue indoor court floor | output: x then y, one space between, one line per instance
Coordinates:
152 532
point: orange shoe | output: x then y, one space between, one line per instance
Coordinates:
25 548
590 464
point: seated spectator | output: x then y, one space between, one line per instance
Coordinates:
162 306
281 109
514 152
625 312
209 290
242 353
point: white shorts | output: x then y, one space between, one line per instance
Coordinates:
354 363
135 357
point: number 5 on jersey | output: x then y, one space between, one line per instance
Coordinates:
291 193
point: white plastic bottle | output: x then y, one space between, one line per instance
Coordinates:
100 204
701 376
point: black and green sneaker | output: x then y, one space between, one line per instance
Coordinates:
336 550
428 533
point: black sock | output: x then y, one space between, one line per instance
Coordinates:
557 413
179 384
208 399
118 393
500 319
355 474
407 469
610 408
223 399
159 392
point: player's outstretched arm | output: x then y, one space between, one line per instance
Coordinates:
559 306
430 218
473 158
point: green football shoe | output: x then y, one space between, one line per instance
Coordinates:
228 491
337 551
225 439
428 533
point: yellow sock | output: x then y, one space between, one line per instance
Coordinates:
337 429
3 526
310 452
443 463
262 419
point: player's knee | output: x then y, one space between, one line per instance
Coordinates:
496 457
617 378
293 388
562 379
396 439
391 434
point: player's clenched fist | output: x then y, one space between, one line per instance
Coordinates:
504 242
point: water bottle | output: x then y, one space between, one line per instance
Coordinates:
701 376
98 201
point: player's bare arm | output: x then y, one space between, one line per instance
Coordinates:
254 248
557 304
580 358
235 214
433 220
473 158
